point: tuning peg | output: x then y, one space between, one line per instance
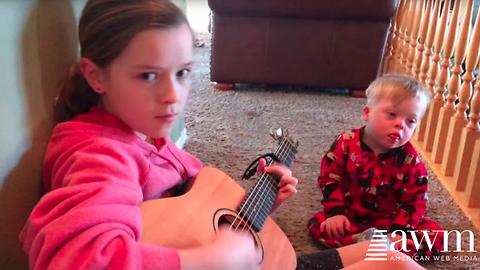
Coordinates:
277 134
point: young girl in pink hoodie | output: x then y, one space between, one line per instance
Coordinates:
131 83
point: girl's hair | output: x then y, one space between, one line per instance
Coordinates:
106 27
397 88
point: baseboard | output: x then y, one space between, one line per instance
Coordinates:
473 214
182 139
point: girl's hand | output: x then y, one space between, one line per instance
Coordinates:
237 250
287 182
335 226
230 250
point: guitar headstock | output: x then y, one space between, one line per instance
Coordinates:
281 134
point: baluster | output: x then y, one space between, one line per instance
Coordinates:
425 57
391 46
428 43
428 133
396 39
475 104
421 40
401 36
408 35
459 120
414 39
440 35
447 111
432 73
473 170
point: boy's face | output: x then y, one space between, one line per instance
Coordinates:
147 85
391 125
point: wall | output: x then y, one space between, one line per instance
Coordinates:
37 44
179 132
198 15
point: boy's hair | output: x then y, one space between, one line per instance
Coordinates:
106 27
397 88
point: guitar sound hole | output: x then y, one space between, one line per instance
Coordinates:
235 223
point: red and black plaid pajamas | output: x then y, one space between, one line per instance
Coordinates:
388 191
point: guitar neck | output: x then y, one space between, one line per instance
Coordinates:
259 201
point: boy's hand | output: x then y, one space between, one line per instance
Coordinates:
335 226
287 182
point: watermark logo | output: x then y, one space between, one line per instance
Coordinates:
377 250
417 239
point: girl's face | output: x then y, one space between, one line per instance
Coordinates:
391 125
147 85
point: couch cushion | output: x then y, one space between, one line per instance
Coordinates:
371 10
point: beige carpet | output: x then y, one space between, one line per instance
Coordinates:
228 130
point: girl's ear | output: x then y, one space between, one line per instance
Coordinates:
93 74
366 111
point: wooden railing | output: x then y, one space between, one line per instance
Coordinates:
425 36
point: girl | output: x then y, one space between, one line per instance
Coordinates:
131 83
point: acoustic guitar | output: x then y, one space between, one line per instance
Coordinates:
214 199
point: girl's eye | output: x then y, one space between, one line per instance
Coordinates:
183 73
392 114
412 121
148 76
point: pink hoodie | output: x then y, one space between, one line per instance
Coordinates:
96 172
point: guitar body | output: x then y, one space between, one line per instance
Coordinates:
190 220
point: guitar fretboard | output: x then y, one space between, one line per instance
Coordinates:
259 201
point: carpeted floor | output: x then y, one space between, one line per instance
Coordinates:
229 129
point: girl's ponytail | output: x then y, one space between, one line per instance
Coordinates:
75 96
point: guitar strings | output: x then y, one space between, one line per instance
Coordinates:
261 186
270 180
258 182
286 151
